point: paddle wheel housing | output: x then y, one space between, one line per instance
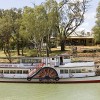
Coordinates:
46 73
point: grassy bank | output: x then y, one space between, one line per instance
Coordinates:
80 55
81 51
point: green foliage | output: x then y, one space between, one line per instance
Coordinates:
71 17
96 28
9 29
39 23
31 53
96 31
36 25
33 23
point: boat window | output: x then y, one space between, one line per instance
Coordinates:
25 71
23 60
31 60
61 71
78 70
84 70
66 71
12 71
1 71
19 71
6 71
37 60
27 60
90 70
71 71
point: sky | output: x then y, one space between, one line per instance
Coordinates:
90 15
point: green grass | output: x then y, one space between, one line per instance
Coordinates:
32 53
54 51
58 52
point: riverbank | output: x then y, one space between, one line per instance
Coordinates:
83 53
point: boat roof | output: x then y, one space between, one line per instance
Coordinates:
78 64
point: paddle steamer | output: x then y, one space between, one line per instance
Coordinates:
59 69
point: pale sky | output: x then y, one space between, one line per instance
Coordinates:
89 16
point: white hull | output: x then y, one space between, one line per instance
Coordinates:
94 79
49 70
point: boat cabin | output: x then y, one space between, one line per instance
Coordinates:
14 72
76 69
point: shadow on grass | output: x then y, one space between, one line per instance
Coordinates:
58 52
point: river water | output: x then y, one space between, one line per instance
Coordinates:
19 91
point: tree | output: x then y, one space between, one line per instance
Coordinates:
34 25
16 15
96 28
9 29
71 16
5 32
50 18
39 23
53 16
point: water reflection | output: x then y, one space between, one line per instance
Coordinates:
10 91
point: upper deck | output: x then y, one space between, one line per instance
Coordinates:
32 62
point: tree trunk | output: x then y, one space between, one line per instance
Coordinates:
39 49
62 43
18 50
18 47
7 51
22 51
47 51
22 48
48 45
